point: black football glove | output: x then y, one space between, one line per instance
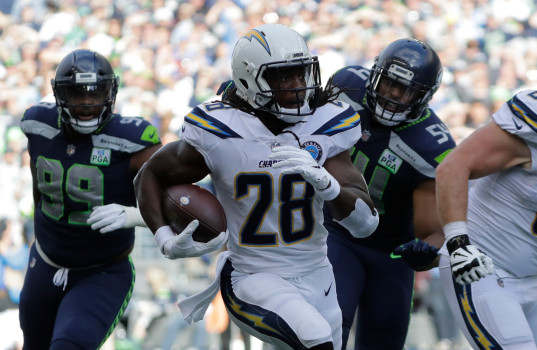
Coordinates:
417 254
468 263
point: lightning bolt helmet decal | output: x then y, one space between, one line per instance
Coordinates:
255 34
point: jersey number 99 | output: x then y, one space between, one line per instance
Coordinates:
83 184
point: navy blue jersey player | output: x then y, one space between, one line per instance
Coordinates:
402 143
83 162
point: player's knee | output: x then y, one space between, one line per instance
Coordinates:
73 335
314 330
323 346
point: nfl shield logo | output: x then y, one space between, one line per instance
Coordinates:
71 150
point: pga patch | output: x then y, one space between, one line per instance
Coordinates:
390 161
100 156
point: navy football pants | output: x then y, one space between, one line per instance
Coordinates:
380 288
82 316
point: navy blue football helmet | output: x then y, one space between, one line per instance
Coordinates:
85 89
404 78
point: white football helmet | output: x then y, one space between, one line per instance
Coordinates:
270 47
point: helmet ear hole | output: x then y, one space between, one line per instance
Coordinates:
244 83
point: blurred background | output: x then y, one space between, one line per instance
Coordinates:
173 54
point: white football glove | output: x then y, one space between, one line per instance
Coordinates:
296 160
468 264
113 216
181 245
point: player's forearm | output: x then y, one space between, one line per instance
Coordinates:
148 194
435 238
451 192
362 219
341 206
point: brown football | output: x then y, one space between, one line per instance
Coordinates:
183 203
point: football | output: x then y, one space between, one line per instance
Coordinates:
183 203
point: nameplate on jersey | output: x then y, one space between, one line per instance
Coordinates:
100 156
390 161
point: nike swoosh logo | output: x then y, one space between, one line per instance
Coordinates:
394 256
328 291
517 126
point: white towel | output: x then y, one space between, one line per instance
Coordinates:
194 307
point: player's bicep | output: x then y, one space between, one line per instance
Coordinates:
178 162
139 158
490 149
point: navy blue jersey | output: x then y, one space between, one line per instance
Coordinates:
394 161
73 176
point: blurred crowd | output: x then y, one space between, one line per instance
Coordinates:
173 54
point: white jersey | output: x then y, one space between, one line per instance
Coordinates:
275 221
502 208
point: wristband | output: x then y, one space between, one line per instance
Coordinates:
331 191
361 222
457 242
163 235
455 228
133 217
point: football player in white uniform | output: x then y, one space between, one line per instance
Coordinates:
489 262
276 148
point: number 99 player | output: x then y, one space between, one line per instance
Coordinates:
83 162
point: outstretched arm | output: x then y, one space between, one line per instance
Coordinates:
422 253
488 150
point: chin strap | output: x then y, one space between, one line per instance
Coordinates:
293 118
